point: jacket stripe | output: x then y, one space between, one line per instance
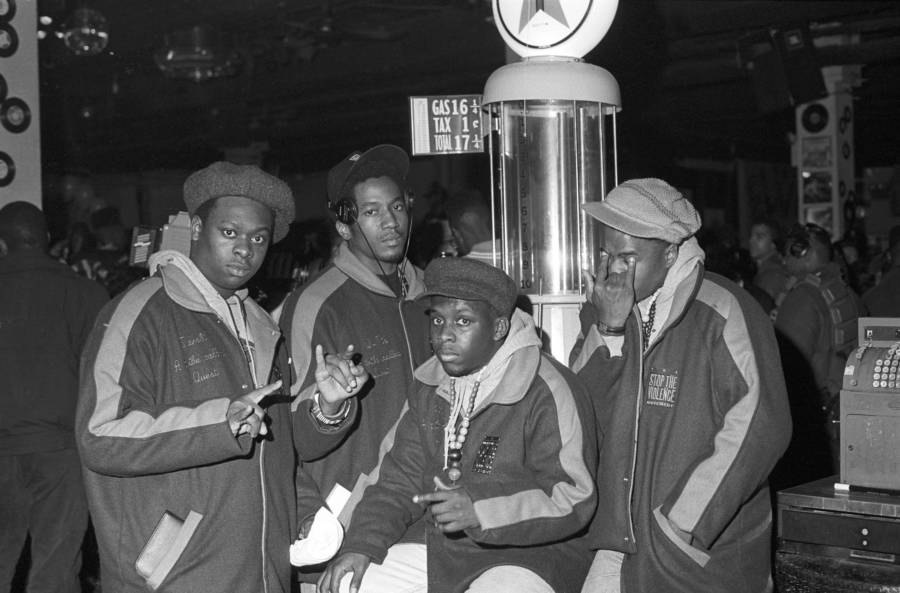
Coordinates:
706 478
303 321
535 504
108 367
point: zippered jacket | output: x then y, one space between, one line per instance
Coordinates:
527 464
158 374
348 304
693 426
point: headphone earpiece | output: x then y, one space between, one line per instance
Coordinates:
345 211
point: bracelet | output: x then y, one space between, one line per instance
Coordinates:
322 418
608 330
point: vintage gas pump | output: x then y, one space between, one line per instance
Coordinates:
552 146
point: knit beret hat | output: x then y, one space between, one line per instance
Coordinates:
648 208
247 181
393 158
470 280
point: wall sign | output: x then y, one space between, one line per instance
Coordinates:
446 124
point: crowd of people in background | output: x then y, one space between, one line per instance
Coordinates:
351 363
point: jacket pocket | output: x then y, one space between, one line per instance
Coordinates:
698 556
165 546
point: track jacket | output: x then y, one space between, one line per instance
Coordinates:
692 429
158 374
348 304
526 463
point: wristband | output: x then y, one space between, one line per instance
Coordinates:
608 330
320 416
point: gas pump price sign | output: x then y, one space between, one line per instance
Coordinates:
446 124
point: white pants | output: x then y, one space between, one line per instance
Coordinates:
405 567
605 573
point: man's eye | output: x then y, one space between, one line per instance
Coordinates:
229 232
437 321
259 239
369 212
463 321
400 206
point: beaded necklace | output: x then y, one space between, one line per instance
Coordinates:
457 428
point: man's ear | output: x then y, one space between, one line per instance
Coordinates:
501 328
671 254
4 248
343 230
196 227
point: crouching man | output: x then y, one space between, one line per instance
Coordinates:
496 447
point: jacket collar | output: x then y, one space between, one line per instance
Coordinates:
513 366
347 262
29 260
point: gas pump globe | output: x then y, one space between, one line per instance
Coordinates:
552 146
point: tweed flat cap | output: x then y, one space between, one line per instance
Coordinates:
393 158
648 208
247 181
470 280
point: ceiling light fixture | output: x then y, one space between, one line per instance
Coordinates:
86 32
196 54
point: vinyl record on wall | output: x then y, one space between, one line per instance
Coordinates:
814 118
15 115
9 40
3 87
7 10
7 169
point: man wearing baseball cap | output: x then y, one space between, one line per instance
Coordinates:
187 442
687 384
496 451
365 297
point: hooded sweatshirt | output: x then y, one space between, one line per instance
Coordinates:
526 464
160 369
693 425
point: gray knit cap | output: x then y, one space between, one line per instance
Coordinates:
648 208
246 181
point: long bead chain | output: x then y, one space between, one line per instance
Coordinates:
455 436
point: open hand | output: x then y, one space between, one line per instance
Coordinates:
245 414
612 293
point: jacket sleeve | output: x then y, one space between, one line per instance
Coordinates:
121 428
386 508
755 427
553 497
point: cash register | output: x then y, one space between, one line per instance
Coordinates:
842 533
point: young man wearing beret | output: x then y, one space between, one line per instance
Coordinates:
496 451
186 439
687 384
365 297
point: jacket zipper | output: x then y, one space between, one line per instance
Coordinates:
634 438
412 365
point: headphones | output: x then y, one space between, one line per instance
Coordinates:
345 209
800 238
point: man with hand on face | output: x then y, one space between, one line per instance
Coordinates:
187 441
495 450
688 389
364 297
